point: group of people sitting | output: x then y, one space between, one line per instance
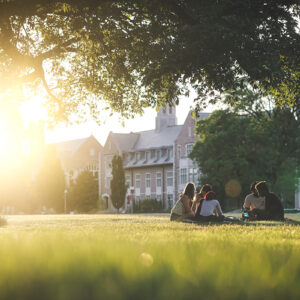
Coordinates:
203 206
261 204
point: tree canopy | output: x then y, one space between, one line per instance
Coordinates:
246 148
134 54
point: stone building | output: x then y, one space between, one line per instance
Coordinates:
78 155
156 161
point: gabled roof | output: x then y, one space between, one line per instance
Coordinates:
124 141
70 146
152 139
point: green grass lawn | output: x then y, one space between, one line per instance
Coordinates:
146 257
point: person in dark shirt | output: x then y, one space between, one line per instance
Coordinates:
273 206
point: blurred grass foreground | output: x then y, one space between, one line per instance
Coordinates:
146 257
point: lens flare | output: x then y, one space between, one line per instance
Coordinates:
233 188
146 259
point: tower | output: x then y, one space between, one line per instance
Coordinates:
166 116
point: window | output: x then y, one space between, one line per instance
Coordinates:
189 148
108 162
179 151
137 156
169 178
152 153
137 181
147 180
147 156
158 179
183 177
147 197
170 153
158 154
190 131
92 152
193 175
158 198
127 180
107 182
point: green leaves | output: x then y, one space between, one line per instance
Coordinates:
247 148
83 195
136 54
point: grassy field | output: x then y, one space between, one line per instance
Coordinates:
146 257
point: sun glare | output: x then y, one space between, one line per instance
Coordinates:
3 139
33 110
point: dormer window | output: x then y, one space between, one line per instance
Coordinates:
137 156
158 154
152 153
147 155
170 153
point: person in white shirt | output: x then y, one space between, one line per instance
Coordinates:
211 209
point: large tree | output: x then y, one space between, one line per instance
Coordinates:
84 193
239 149
117 184
133 54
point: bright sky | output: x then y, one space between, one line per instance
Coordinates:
139 123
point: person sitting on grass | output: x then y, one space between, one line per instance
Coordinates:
273 207
197 203
211 209
254 205
182 208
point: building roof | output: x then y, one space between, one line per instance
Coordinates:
163 160
70 146
66 149
124 141
152 139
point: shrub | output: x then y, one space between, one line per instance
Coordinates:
150 205
101 204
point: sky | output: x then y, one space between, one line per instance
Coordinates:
113 123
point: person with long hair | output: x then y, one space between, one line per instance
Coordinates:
197 203
273 208
183 208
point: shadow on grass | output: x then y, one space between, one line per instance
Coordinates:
246 223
